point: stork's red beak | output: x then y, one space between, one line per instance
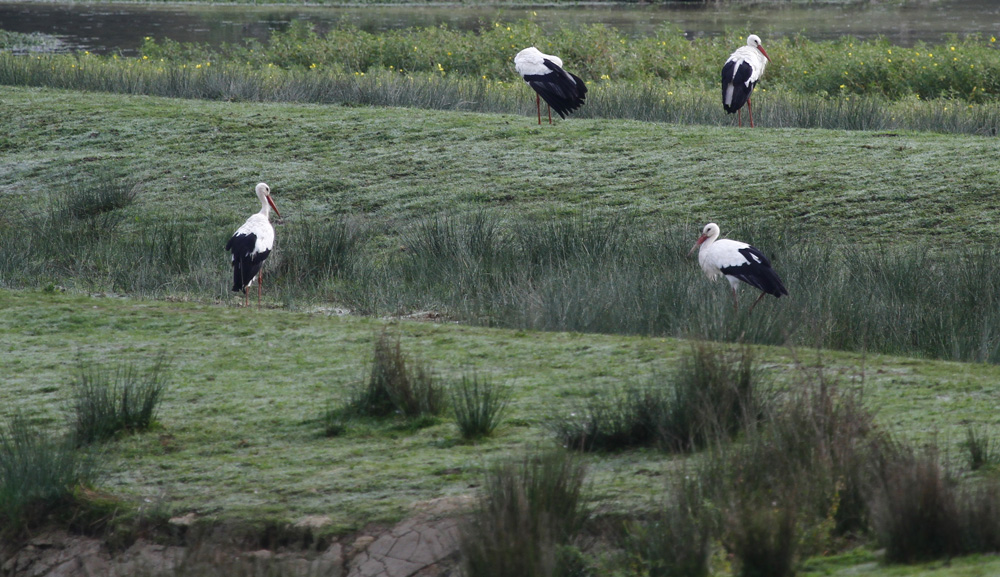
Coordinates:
761 48
274 208
701 239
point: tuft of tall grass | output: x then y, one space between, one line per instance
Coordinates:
717 394
109 402
479 406
528 515
39 473
676 540
916 510
799 480
396 385
712 396
823 433
763 536
922 511
982 448
622 419
313 254
979 516
105 193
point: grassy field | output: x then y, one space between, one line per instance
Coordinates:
197 162
240 436
240 439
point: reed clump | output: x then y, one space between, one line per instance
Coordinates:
528 517
108 402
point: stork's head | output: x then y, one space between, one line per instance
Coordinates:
753 41
710 232
264 194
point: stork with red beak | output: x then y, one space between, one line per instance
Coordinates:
737 261
740 74
251 245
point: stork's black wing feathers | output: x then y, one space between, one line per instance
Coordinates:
757 272
737 77
246 262
563 91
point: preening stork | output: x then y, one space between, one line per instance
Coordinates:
737 261
740 74
563 91
251 244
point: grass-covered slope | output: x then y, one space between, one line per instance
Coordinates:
197 162
583 225
240 435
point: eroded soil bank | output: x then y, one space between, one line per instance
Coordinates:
423 545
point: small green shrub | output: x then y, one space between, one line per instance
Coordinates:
479 406
109 402
38 473
528 516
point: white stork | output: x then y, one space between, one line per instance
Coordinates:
740 74
563 91
738 261
251 244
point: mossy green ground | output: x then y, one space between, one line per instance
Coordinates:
239 436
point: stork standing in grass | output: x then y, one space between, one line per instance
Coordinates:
740 74
251 244
737 261
563 91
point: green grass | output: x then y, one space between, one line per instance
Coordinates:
583 227
197 163
241 436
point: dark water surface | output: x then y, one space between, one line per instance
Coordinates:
108 27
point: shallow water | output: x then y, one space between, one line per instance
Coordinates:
105 28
